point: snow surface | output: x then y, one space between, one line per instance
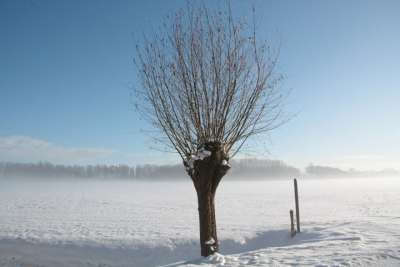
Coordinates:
345 222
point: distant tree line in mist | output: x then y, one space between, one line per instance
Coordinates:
324 171
245 168
241 169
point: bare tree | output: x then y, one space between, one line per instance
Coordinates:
207 86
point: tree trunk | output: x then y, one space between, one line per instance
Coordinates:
208 225
206 175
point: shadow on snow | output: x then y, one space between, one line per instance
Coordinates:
94 255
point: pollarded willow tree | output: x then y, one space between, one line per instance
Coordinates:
208 85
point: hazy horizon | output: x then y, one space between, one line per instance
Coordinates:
242 169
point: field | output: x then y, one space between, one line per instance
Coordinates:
79 222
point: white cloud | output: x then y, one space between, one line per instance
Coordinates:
18 148
28 149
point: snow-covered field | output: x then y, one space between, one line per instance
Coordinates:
353 222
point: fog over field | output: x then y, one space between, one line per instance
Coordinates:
242 169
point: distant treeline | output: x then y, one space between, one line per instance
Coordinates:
245 168
241 169
324 171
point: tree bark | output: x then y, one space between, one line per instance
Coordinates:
206 175
208 224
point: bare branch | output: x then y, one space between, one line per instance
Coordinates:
205 77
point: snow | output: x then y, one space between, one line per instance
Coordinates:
201 154
211 241
352 222
225 163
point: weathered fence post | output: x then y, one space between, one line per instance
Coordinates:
296 198
292 231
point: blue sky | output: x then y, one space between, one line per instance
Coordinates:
66 69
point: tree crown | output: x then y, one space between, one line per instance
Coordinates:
206 78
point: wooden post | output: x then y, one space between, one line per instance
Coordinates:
296 198
292 231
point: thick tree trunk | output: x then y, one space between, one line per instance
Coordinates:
206 175
208 224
